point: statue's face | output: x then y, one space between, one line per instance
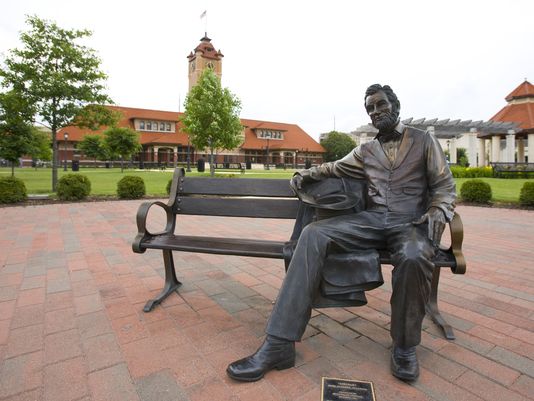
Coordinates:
383 114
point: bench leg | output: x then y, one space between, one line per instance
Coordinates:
432 307
171 282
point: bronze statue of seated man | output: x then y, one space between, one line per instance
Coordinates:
410 198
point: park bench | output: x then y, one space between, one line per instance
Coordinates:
253 198
500 169
230 166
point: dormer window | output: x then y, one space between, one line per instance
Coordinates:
269 134
154 126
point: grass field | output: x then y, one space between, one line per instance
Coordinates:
104 181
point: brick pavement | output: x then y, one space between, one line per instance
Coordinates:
72 326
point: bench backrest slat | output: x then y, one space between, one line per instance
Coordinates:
237 186
239 207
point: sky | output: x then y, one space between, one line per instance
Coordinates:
305 62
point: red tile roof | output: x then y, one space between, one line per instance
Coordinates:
525 89
520 107
521 113
294 136
207 50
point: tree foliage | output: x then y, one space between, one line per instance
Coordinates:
16 130
92 146
337 145
122 142
60 77
40 145
212 115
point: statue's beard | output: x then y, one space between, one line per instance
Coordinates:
386 122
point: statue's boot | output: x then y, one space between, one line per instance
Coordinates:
274 353
404 364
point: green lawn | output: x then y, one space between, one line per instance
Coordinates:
104 181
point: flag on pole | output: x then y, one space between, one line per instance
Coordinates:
203 14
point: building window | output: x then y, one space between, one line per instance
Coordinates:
149 125
167 126
162 126
269 134
141 124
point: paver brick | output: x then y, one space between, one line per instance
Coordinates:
65 381
102 352
112 384
21 373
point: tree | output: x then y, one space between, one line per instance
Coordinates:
40 146
337 145
212 116
122 142
16 130
61 78
92 146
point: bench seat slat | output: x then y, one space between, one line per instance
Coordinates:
237 187
239 207
249 247
217 245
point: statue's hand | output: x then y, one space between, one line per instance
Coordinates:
435 218
299 178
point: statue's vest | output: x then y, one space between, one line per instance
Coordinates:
401 186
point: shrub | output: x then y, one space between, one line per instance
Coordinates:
526 197
471 172
73 187
476 191
131 187
12 190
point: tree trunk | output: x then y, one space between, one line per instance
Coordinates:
12 169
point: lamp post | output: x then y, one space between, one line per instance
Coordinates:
268 137
66 137
187 157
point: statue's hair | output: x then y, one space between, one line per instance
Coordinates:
387 90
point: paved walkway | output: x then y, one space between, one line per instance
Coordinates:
72 326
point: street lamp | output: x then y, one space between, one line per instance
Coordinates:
268 137
188 158
66 137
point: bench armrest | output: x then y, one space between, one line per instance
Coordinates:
143 232
457 238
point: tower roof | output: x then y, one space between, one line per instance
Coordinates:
206 49
520 107
525 89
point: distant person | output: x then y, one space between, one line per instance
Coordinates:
410 198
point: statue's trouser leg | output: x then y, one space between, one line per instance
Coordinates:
292 309
411 253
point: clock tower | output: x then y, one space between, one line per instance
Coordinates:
204 56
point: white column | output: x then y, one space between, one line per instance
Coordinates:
495 148
472 147
510 146
530 148
481 152
452 151
521 150
175 155
155 149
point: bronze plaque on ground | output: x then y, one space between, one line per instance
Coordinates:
346 390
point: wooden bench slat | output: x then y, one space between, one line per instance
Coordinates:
217 245
238 207
240 187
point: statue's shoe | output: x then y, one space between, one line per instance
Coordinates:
404 363
272 354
